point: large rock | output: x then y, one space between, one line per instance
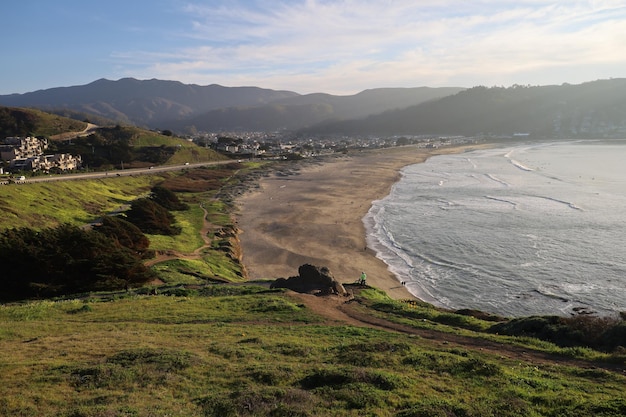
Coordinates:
311 279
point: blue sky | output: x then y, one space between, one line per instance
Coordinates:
332 46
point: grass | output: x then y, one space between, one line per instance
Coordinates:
48 124
244 351
192 153
422 315
39 205
191 222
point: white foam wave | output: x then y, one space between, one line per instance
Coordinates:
502 200
520 165
498 180
567 203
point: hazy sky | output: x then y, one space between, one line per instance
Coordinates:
333 46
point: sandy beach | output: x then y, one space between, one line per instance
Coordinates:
315 215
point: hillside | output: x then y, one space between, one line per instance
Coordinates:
596 109
32 122
102 147
301 111
226 350
146 103
158 104
199 342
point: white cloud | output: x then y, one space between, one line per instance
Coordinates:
347 46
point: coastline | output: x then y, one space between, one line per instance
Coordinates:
316 215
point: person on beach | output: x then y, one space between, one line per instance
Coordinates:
362 278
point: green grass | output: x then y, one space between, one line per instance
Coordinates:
47 124
421 315
191 222
78 202
192 153
244 351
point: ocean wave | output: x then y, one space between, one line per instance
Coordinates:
520 165
512 203
503 239
567 203
498 180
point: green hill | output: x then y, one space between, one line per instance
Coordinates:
102 147
30 122
200 342
225 350
594 109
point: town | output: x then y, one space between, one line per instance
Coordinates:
21 154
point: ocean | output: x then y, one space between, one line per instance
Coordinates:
527 229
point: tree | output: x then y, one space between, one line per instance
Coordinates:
167 198
65 260
125 234
152 217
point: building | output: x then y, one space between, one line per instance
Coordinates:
16 147
28 154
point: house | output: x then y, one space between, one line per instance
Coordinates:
16 147
27 154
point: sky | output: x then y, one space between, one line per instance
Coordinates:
333 46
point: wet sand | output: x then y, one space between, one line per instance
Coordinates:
315 216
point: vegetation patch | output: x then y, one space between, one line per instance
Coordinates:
602 333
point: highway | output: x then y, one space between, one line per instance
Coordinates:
121 172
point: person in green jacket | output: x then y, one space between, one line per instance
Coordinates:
362 279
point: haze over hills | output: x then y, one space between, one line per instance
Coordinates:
592 109
146 103
178 106
294 113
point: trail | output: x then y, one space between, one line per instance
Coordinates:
340 310
168 255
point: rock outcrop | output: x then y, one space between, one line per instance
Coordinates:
311 279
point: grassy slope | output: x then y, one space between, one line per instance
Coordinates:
41 205
47 124
246 351
237 350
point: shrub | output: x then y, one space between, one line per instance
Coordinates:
167 199
124 233
604 333
152 218
65 260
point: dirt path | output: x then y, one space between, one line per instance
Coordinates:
340 310
169 255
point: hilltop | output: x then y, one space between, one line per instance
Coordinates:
591 109
158 104
102 147
595 109
32 122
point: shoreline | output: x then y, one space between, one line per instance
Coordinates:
315 214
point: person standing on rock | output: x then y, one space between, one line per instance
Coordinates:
362 279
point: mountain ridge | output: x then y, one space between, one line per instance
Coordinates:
595 108
171 104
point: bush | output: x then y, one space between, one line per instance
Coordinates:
124 233
603 333
152 218
167 199
65 260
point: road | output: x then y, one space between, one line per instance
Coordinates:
73 135
122 172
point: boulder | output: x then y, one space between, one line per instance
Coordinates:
311 279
